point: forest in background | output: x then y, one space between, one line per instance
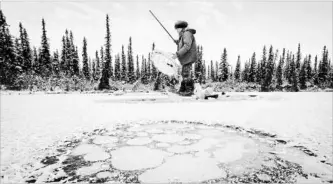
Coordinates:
26 67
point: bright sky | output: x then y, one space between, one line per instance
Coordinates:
242 27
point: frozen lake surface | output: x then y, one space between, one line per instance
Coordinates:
31 126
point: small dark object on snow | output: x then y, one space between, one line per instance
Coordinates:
211 96
31 181
60 150
281 141
50 160
306 151
58 179
261 133
223 93
252 95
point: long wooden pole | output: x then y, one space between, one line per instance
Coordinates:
162 25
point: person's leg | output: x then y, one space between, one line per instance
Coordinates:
184 74
187 85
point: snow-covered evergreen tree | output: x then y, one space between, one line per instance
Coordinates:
117 68
303 75
8 67
45 56
269 67
223 67
130 71
137 68
85 67
299 57
123 65
237 74
253 68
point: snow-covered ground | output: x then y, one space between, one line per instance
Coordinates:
30 123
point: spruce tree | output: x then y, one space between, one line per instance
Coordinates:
330 77
303 75
323 68
69 54
198 65
98 66
107 65
253 67
130 74
263 66
19 46
208 72
108 59
203 66
315 70
117 68
294 75
85 68
76 68
26 53
259 70
289 69
279 71
8 69
283 60
283 56
224 73
212 72
286 67
238 69
148 70
203 79
18 53
102 61
123 65
275 63
45 56
217 71
269 67
56 63
63 59
89 67
35 60
245 73
309 68
93 70
137 68
73 55
153 68
143 70
298 59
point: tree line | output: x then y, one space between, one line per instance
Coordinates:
19 62
275 70
18 58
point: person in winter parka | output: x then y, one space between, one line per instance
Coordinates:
187 55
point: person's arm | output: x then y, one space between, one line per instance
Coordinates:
187 39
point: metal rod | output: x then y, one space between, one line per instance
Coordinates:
162 25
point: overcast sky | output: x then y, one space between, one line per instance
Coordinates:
242 27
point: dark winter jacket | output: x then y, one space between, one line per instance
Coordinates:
187 48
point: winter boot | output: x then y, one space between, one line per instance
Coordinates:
189 88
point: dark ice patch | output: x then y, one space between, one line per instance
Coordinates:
306 151
50 160
73 163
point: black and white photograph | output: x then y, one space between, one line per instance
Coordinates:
166 91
